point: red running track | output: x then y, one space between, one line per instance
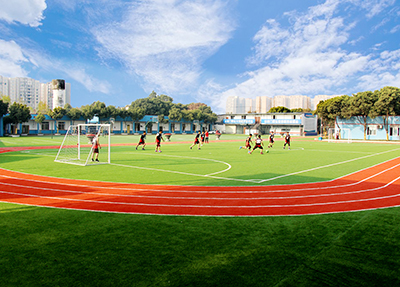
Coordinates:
372 188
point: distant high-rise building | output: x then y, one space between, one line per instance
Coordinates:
263 104
319 98
281 101
298 101
31 92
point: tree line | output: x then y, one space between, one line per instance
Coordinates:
361 106
159 105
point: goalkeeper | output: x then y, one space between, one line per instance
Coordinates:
96 146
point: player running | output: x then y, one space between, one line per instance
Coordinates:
196 140
159 137
248 143
271 139
142 141
203 136
287 140
259 144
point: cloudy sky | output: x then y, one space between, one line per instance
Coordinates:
117 51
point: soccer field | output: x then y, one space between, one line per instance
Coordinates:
219 163
60 247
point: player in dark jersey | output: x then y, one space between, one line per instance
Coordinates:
142 141
203 136
287 140
158 141
259 144
196 140
248 143
271 139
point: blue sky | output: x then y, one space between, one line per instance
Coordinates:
202 50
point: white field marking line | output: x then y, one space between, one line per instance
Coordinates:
196 158
214 206
188 191
347 151
178 172
172 197
324 166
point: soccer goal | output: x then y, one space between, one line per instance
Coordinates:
332 135
79 143
346 135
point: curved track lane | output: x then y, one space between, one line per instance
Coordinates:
372 188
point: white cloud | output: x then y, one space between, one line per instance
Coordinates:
11 59
27 12
166 42
307 57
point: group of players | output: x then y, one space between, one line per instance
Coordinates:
200 139
260 145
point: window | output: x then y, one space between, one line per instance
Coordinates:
61 125
45 126
371 131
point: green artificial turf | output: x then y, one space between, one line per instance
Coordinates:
51 247
218 163
55 247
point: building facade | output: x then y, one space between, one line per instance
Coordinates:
376 130
297 124
31 92
148 123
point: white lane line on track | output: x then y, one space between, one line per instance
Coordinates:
210 192
216 206
211 198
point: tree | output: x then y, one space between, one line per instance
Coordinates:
42 108
388 104
361 107
175 114
74 114
39 119
5 99
18 113
87 112
337 107
56 114
279 109
3 108
297 110
99 109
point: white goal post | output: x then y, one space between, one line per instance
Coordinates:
79 142
334 136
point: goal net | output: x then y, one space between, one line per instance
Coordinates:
346 135
343 136
79 145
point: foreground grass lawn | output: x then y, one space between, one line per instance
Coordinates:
52 247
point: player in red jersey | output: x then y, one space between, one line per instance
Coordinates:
196 141
158 141
142 141
96 146
271 139
248 143
207 134
287 140
259 144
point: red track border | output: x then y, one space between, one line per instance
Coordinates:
371 188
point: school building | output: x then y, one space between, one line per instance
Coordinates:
353 129
297 124
148 123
